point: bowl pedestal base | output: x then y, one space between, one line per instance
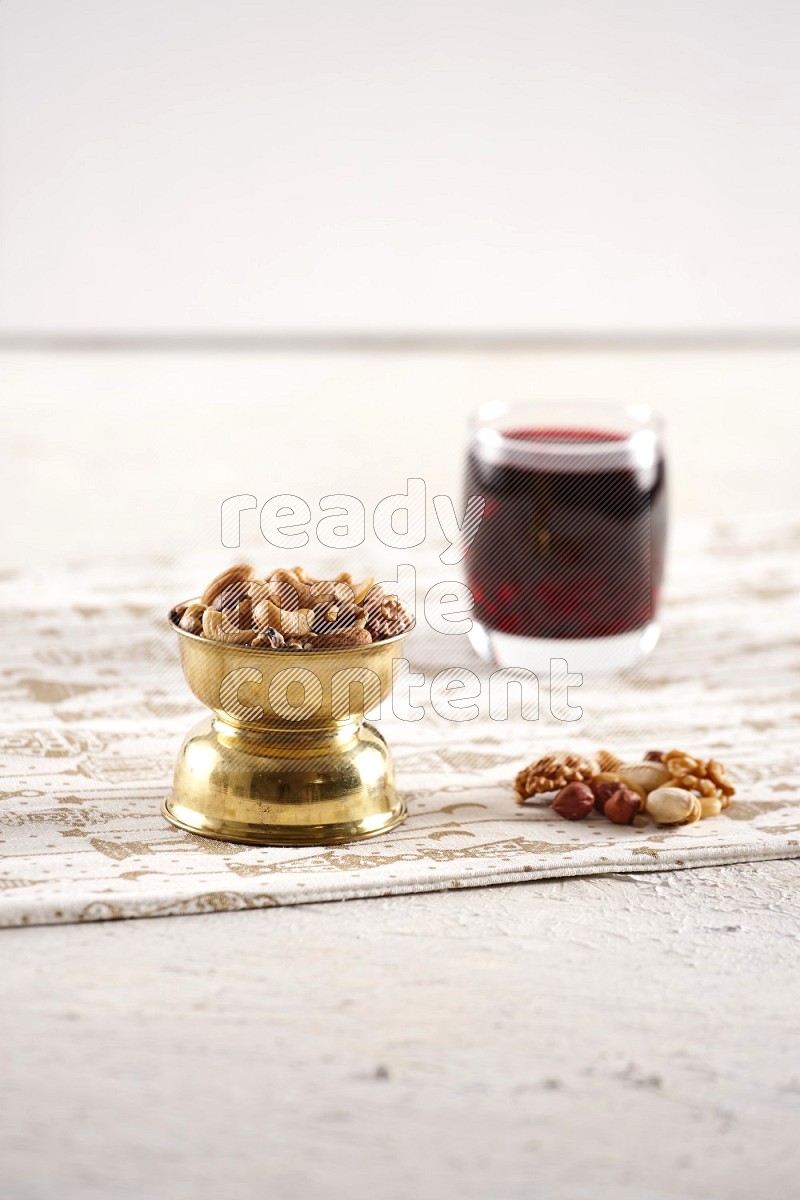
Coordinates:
309 787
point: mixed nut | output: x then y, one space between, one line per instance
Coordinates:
671 789
291 609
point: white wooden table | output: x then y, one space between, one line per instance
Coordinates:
622 1037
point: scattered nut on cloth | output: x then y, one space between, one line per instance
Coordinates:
675 788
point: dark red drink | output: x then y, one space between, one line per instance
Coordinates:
571 544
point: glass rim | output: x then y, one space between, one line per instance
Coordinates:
647 420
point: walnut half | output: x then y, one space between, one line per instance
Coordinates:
705 777
552 772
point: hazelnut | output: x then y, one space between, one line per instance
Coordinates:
622 806
654 756
575 801
606 783
603 787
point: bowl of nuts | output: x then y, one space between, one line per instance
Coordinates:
288 664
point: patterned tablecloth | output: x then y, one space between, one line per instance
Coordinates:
95 707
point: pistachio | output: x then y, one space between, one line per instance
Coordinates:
648 775
673 806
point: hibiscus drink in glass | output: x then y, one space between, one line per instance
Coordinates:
568 557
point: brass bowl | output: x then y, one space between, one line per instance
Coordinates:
287 758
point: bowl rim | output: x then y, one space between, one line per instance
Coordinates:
290 652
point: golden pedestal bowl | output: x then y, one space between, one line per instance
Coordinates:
287 758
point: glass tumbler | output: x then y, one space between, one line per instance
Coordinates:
568 557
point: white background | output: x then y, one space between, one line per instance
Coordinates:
534 165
